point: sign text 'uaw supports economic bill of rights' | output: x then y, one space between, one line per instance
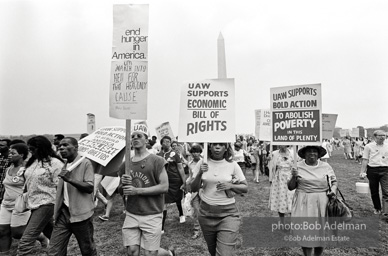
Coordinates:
296 115
129 66
207 111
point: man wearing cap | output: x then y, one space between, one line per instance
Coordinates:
74 205
375 167
144 187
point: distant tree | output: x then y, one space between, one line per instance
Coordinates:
336 133
370 132
361 131
384 128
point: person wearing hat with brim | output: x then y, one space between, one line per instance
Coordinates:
310 179
375 168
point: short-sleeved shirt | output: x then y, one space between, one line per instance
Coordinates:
144 174
314 179
239 156
376 154
41 181
219 171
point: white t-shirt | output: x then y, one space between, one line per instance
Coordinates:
65 193
239 155
376 154
219 171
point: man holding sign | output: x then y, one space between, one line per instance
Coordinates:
145 187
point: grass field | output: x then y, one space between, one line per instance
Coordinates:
255 204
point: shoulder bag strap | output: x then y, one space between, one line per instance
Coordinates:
338 191
341 194
328 182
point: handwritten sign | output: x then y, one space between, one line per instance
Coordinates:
129 67
328 125
164 130
102 145
207 111
296 115
263 124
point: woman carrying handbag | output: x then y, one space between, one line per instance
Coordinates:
13 222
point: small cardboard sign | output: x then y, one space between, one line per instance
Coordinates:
164 130
263 124
328 125
355 133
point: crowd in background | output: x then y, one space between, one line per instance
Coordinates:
37 165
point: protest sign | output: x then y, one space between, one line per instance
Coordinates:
129 67
296 115
102 145
207 111
164 130
263 124
112 167
91 123
344 132
328 125
355 133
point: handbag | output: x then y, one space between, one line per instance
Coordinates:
247 160
186 205
337 207
21 203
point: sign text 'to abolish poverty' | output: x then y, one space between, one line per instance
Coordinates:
296 115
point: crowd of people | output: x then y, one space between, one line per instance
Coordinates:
62 188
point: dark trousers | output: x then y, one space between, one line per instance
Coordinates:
378 176
63 229
41 220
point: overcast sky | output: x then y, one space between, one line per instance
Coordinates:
55 58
